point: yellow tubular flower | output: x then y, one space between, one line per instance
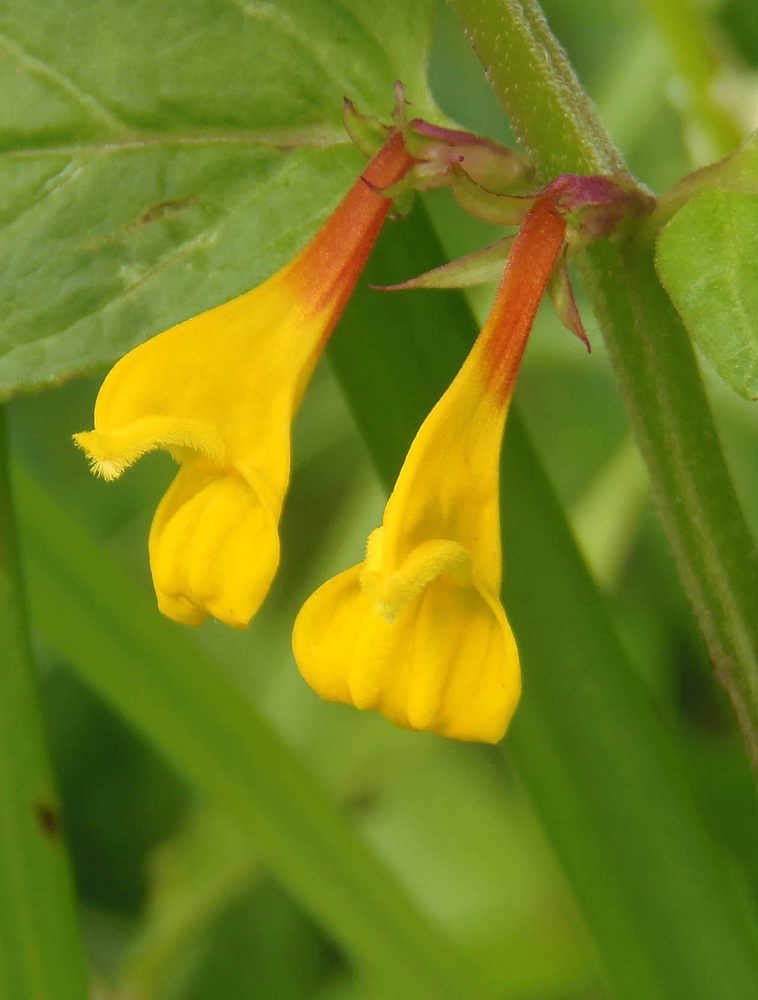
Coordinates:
219 392
417 630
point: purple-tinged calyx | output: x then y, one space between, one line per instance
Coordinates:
596 205
438 152
593 205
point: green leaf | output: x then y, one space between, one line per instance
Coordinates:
736 172
157 159
706 260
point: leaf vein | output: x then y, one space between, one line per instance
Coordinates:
52 185
319 136
88 101
263 10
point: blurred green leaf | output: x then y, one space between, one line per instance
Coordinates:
606 517
700 62
157 159
150 671
103 793
706 260
193 877
600 765
41 954
264 947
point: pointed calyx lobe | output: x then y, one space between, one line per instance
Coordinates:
493 184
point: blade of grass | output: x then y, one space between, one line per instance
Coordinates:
148 670
606 517
642 865
653 358
41 956
597 761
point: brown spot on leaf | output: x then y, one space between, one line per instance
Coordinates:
162 209
48 818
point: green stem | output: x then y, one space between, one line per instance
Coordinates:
41 955
550 114
671 416
654 361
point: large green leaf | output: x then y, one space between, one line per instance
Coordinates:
157 159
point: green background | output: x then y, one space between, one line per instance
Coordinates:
232 836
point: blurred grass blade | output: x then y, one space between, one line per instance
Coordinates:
604 774
41 955
700 63
146 668
606 518
194 876
598 762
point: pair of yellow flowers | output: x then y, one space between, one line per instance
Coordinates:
417 630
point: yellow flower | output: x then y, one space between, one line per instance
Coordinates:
417 630
219 392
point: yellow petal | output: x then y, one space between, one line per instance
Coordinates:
448 486
110 452
214 549
221 385
447 664
240 369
